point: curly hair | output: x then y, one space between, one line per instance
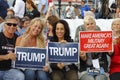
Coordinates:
67 36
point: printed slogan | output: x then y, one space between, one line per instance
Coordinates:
34 58
98 41
62 52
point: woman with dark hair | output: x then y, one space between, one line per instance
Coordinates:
117 13
66 36
31 10
50 22
61 71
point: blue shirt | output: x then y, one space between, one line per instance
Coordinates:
3 8
22 31
84 8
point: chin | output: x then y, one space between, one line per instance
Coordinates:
34 35
60 37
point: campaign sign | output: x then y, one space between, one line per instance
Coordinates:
34 58
96 41
62 52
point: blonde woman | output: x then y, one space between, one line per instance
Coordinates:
34 38
115 57
86 58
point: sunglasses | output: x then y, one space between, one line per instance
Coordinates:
12 24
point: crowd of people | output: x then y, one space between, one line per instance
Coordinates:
26 24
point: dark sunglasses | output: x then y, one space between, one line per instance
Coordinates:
12 24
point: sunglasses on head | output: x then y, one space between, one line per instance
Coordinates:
12 24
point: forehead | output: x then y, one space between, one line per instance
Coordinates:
116 22
82 2
27 21
60 25
37 23
11 20
89 21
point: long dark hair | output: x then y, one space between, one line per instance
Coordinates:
32 4
67 36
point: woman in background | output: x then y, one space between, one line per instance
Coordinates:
50 23
32 10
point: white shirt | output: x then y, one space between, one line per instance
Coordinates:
19 8
10 2
110 2
70 12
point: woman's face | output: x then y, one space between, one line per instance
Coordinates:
90 25
60 31
25 24
116 26
118 10
27 5
48 25
36 28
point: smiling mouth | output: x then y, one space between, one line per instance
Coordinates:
60 34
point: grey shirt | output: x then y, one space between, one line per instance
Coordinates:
82 28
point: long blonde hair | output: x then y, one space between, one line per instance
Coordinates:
40 39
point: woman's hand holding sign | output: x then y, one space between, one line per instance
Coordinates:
60 65
83 55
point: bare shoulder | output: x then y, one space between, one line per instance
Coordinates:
18 41
19 38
